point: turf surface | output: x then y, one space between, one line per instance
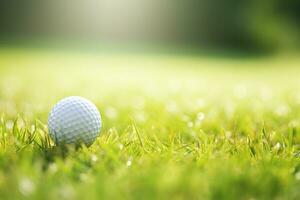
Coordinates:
175 127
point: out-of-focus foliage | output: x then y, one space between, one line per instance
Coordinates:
261 25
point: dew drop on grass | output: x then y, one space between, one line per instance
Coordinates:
277 146
26 186
128 163
121 146
94 158
190 124
200 116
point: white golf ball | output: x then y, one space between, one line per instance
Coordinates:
74 120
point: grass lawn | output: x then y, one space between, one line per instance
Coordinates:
174 127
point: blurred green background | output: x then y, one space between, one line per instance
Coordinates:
260 26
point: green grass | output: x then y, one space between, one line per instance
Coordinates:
174 127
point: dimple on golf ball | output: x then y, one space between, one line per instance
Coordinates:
74 120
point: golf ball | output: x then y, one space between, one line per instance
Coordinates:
74 120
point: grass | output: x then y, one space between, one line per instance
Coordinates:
174 127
